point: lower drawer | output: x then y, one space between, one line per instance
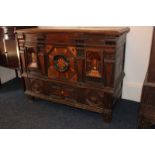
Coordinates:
90 97
55 90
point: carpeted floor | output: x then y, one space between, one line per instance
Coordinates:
18 112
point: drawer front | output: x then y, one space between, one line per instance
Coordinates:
87 96
94 62
53 90
33 61
61 91
37 86
90 98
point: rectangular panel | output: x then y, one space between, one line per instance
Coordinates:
54 90
31 54
94 97
62 63
34 62
94 62
62 91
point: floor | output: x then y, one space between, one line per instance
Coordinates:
19 112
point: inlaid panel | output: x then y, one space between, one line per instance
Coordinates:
32 58
94 62
36 60
62 91
62 63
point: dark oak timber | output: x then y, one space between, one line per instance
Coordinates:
77 66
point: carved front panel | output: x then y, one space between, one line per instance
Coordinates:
94 97
32 58
37 86
62 63
35 60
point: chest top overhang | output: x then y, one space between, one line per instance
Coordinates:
113 31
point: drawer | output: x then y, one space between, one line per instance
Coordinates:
78 96
54 90
37 86
62 91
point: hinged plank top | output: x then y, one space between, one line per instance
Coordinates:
116 31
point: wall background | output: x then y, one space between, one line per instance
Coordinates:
136 62
138 49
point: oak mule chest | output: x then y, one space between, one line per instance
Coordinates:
76 66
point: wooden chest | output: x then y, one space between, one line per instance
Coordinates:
77 66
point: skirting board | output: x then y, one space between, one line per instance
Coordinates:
132 91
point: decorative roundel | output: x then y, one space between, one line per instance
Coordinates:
36 86
61 63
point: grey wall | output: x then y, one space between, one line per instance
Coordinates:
6 74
